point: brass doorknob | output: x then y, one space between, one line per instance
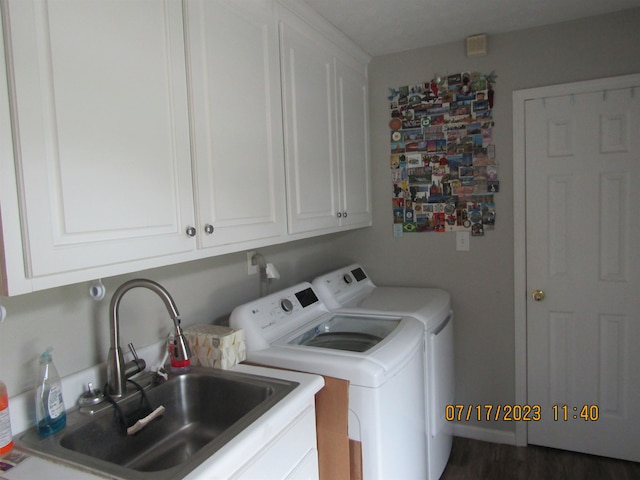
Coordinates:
538 295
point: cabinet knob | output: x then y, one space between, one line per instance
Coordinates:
344 214
339 214
191 231
208 229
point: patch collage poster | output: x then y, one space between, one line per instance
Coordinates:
444 170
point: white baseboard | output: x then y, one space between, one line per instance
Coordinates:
484 434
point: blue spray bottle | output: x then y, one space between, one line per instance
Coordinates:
50 412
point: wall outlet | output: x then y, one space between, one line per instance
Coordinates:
251 268
462 241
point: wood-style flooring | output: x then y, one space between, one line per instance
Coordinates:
473 459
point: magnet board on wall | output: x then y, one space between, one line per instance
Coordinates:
444 170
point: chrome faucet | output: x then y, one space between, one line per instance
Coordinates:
116 370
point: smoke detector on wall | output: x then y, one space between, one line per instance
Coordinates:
476 45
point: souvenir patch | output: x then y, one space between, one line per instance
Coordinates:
442 156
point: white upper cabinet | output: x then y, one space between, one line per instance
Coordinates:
326 131
100 121
237 121
309 111
141 133
353 143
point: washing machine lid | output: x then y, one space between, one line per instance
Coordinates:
273 323
401 339
350 289
429 305
347 332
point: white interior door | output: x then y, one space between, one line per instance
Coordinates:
582 168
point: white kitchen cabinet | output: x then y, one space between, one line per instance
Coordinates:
309 112
326 131
353 143
101 128
146 133
292 455
101 94
238 153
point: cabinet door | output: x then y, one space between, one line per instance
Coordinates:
291 455
353 142
101 122
310 135
237 120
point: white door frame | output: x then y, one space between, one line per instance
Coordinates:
519 208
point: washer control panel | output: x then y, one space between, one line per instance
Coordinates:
268 318
337 288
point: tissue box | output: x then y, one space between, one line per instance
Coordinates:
216 346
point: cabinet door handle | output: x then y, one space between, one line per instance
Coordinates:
344 214
191 231
339 214
208 229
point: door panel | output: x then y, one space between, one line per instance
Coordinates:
353 137
100 106
582 184
239 158
310 137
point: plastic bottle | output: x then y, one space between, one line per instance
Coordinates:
50 412
6 439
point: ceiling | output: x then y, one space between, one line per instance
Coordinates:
381 27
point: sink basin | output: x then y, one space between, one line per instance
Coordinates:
204 409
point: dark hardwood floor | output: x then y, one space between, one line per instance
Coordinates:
473 459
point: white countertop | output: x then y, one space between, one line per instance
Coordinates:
225 461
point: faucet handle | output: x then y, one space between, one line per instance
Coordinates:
136 365
133 351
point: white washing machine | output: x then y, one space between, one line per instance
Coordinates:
382 356
350 290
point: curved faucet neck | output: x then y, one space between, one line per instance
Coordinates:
115 364
124 288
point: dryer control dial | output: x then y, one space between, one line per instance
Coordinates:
286 305
347 279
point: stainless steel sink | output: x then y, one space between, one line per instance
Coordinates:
205 409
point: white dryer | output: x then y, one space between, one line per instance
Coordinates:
350 290
380 355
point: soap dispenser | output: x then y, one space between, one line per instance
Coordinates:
50 412
6 440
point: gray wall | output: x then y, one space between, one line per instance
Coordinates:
481 281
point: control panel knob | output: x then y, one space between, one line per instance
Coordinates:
286 305
347 279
